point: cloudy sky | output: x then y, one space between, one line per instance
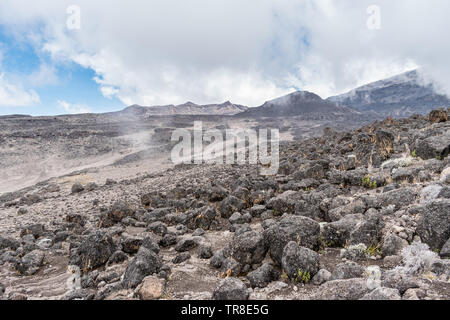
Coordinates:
159 52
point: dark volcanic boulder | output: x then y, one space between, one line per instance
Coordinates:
94 251
205 218
144 264
434 226
348 289
205 252
336 234
77 188
168 240
182 257
304 231
30 199
283 203
217 194
231 289
437 116
368 231
152 245
393 245
445 251
7 243
383 294
130 244
347 270
262 276
154 200
30 263
437 146
230 205
373 148
2 290
115 214
37 230
297 261
398 198
248 248
186 244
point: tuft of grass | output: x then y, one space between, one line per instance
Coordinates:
374 250
369 182
414 154
303 276
325 244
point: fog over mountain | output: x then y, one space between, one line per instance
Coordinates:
296 104
401 95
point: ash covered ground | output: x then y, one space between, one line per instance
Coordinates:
92 208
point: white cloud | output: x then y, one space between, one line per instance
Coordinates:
163 52
14 95
74 108
45 75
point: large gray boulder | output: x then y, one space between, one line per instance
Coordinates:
381 293
349 289
230 205
262 276
144 264
30 263
283 203
94 251
434 226
347 270
297 261
248 248
437 146
445 251
9 243
369 230
393 245
337 234
304 231
397 197
231 289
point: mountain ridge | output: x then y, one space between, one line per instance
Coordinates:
398 96
188 108
297 104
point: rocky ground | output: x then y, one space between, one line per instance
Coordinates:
363 214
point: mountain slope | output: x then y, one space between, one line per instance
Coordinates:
399 96
300 103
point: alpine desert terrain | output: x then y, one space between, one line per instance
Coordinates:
92 207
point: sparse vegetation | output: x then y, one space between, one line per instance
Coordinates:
369 182
374 250
284 276
325 244
303 276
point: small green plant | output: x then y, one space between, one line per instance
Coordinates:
414 154
368 182
438 158
374 250
303 276
284 276
325 244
